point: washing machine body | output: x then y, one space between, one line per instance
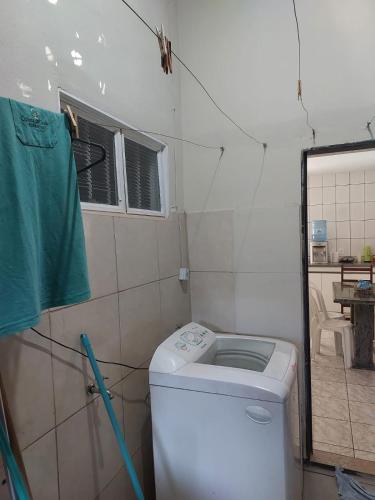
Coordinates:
225 417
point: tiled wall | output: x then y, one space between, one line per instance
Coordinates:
243 265
137 300
347 201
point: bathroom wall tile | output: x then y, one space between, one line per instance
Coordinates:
357 211
364 413
40 461
361 393
182 220
315 181
357 229
329 195
332 431
327 390
343 246
88 453
330 408
357 193
342 178
210 237
370 229
101 255
370 176
137 416
316 212
329 212
212 300
315 196
175 304
370 210
99 319
342 212
343 229
265 229
137 251
357 177
363 437
370 192
140 323
328 180
168 246
260 304
26 369
342 194
356 247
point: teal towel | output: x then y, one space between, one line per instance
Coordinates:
42 248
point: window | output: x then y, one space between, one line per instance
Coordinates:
132 178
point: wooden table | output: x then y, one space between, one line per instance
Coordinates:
362 312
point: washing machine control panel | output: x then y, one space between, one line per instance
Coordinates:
186 345
192 338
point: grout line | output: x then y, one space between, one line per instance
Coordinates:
350 420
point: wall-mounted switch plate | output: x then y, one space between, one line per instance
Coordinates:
184 274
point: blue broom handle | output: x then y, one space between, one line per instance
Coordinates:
116 428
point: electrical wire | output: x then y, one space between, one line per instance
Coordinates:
368 126
199 82
85 355
300 98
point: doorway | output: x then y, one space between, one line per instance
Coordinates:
338 208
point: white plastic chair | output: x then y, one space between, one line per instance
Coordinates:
341 328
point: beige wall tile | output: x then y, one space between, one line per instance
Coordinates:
72 373
364 455
137 417
168 246
137 252
87 451
101 255
140 321
212 300
331 431
210 237
363 437
41 467
175 304
26 369
182 219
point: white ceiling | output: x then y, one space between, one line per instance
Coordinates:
341 162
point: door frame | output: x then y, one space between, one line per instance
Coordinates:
306 153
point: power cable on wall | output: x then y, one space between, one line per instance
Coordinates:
299 85
368 126
199 82
85 355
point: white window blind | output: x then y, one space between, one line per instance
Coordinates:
142 177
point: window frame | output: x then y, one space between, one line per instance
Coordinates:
124 130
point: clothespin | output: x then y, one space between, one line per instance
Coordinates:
165 47
299 89
73 118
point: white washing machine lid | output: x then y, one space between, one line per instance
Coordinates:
195 358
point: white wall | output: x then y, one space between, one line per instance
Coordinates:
246 54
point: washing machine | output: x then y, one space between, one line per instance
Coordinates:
225 417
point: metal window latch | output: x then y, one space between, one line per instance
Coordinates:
92 389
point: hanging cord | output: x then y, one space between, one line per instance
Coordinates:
252 202
203 87
85 355
299 87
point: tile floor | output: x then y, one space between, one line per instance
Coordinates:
343 408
